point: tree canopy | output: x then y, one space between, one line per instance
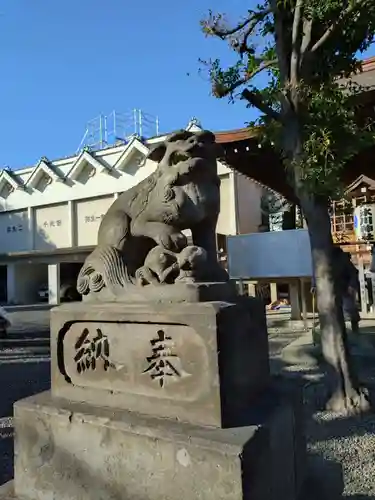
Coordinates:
307 49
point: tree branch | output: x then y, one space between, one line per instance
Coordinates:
243 47
256 101
306 38
262 66
253 19
344 14
248 77
279 40
294 60
222 33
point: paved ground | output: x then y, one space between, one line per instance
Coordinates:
24 370
18 380
29 321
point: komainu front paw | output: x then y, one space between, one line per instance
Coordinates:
174 242
169 194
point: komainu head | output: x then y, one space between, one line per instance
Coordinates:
187 153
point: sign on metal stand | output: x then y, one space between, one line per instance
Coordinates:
362 286
373 292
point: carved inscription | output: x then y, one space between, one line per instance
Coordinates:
89 351
163 365
144 359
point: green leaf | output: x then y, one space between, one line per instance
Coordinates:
323 109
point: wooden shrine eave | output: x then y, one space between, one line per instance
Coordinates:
366 77
241 152
362 180
262 164
368 64
240 134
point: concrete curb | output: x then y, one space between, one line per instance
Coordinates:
32 307
303 352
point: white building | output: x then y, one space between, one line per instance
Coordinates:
50 213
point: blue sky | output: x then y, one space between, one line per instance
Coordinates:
65 62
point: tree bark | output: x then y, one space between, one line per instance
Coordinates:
345 393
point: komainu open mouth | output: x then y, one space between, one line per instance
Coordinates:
176 158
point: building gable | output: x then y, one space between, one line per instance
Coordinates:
85 166
135 152
362 184
8 183
43 175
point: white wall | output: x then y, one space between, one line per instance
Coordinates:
66 210
51 227
249 196
227 218
89 213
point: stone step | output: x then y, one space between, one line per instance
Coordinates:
24 354
262 460
29 359
18 353
18 342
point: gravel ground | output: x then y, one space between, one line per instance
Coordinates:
19 379
341 449
348 444
24 370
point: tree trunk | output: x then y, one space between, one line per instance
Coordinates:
345 393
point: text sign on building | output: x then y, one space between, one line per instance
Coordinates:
14 229
364 218
52 227
89 214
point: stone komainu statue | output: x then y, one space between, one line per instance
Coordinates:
140 239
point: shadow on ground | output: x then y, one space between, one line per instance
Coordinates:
359 497
341 448
19 380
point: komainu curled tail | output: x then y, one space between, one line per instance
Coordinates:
104 268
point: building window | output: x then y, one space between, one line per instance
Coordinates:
342 219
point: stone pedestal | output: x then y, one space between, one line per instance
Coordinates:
159 402
200 363
73 451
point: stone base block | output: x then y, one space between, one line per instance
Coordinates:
179 292
199 363
7 491
72 451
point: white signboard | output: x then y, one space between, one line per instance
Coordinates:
364 218
275 254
